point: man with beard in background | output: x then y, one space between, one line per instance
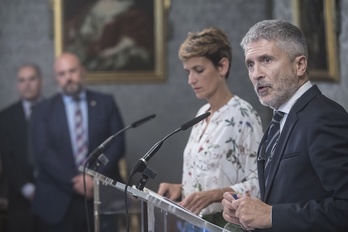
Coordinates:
64 130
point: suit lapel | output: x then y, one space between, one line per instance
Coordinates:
19 130
285 134
62 114
59 115
261 165
92 117
279 151
19 118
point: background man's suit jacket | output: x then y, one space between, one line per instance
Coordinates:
51 146
308 180
14 154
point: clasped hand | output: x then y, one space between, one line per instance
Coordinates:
78 185
249 213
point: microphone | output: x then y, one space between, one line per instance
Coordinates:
142 121
194 121
100 149
141 165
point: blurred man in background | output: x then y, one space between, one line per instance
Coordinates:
17 165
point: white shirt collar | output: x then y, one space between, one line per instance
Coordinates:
286 107
70 99
27 106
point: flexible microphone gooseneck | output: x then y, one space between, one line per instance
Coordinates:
98 152
141 165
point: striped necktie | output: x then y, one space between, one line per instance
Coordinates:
80 139
271 142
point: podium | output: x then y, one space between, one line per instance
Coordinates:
155 213
109 209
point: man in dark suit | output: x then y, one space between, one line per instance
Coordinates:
19 171
58 140
304 176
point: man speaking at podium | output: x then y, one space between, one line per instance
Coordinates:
65 129
304 177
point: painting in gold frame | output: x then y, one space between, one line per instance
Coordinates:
318 21
117 41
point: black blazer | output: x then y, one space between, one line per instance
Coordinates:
51 146
308 182
14 154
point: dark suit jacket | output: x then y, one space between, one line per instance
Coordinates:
51 145
308 182
14 154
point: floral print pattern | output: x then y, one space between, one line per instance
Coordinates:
223 153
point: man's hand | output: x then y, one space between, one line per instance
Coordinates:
79 188
248 212
229 212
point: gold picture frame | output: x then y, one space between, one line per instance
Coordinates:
318 21
124 43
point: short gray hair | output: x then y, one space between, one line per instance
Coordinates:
286 36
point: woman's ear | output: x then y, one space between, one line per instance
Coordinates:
224 65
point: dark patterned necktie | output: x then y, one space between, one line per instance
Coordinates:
271 142
81 142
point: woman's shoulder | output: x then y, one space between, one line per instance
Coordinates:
239 103
243 108
203 109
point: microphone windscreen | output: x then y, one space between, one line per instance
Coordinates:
194 121
143 120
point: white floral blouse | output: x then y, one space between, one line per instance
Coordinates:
224 154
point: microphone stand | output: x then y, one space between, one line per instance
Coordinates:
102 159
98 156
142 163
147 173
141 166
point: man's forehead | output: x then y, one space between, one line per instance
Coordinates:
27 72
260 47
